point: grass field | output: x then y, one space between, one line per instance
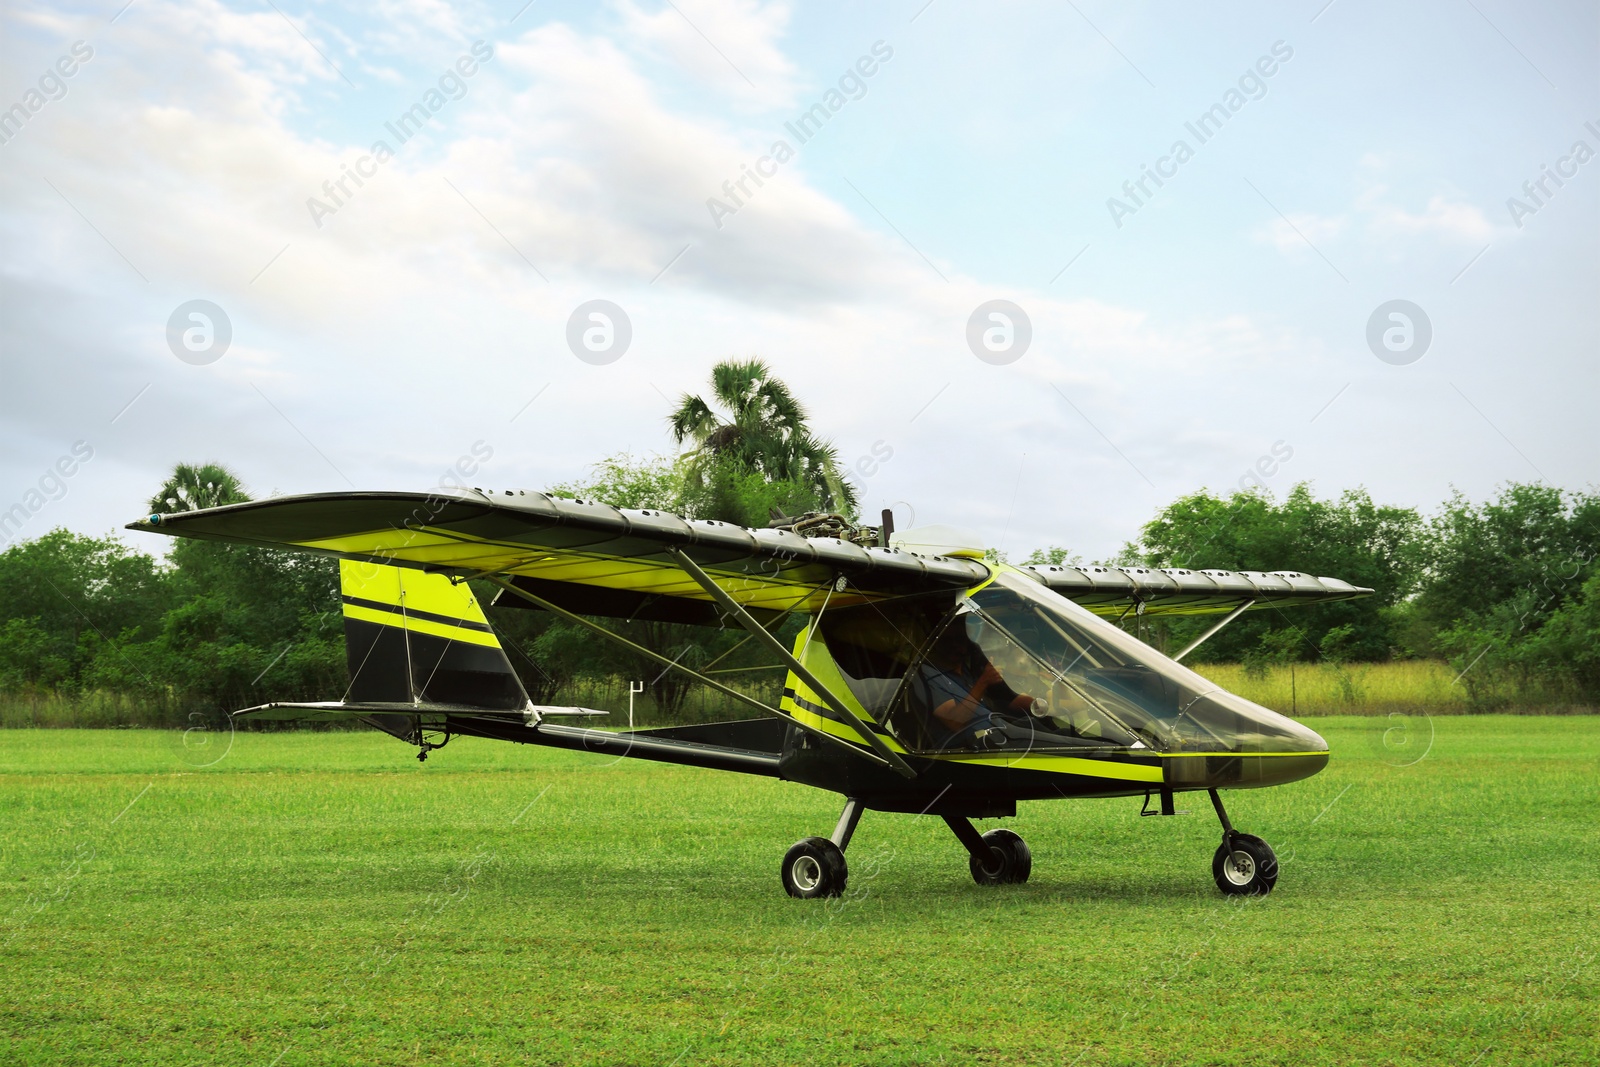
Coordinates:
325 899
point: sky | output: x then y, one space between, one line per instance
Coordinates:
1230 321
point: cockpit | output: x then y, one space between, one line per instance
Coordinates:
1016 667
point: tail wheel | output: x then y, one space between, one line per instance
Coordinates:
1010 860
1245 865
814 867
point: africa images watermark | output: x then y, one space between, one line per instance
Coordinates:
1538 190
1265 467
52 86
52 485
403 128
452 481
1252 85
853 81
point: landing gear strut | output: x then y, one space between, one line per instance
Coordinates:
1244 864
998 857
815 867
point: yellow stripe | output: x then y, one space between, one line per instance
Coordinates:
421 626
1094 768
433 593
820 662
994 573
610 572
833 727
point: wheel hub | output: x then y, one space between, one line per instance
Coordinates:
806 872
997 863
1240 867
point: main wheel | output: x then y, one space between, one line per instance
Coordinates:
814 867
1245 865
1010 861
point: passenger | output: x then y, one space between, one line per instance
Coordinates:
961 698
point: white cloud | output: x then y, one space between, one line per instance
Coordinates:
729 45
1380 220
1454 220
1292 233
409 324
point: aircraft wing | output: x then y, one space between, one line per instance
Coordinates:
1181 591
590 558
598 560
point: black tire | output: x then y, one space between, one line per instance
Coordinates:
1245 865
814 867
1012 860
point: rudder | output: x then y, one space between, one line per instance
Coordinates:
412 636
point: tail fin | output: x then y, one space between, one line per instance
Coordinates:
412 636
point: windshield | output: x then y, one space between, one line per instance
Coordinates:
1076 679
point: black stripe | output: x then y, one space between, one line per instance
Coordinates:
828 713
426 616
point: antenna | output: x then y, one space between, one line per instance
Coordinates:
888 526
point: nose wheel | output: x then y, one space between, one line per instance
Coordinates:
1244 864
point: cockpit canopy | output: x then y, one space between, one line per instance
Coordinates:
1018 667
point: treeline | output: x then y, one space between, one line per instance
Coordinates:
1506 592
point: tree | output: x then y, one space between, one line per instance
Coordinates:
1565 651
245 622
1350 538
1532 544
762 431
66 599
192 487
1510 594
1054 556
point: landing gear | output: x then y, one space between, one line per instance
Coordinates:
1010 861
1244 864
998 857
816 867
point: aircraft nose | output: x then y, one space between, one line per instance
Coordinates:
1287 754
1240 770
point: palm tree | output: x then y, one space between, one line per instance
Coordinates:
192 487
762 428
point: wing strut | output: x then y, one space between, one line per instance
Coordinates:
1226 619
764 636
691 672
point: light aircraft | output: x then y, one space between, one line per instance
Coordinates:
925 680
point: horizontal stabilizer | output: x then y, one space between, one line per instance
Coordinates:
749 747
335 711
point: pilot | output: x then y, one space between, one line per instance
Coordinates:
960 698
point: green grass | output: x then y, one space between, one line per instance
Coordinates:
324 899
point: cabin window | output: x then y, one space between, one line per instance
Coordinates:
874 644
1094 669
978 689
